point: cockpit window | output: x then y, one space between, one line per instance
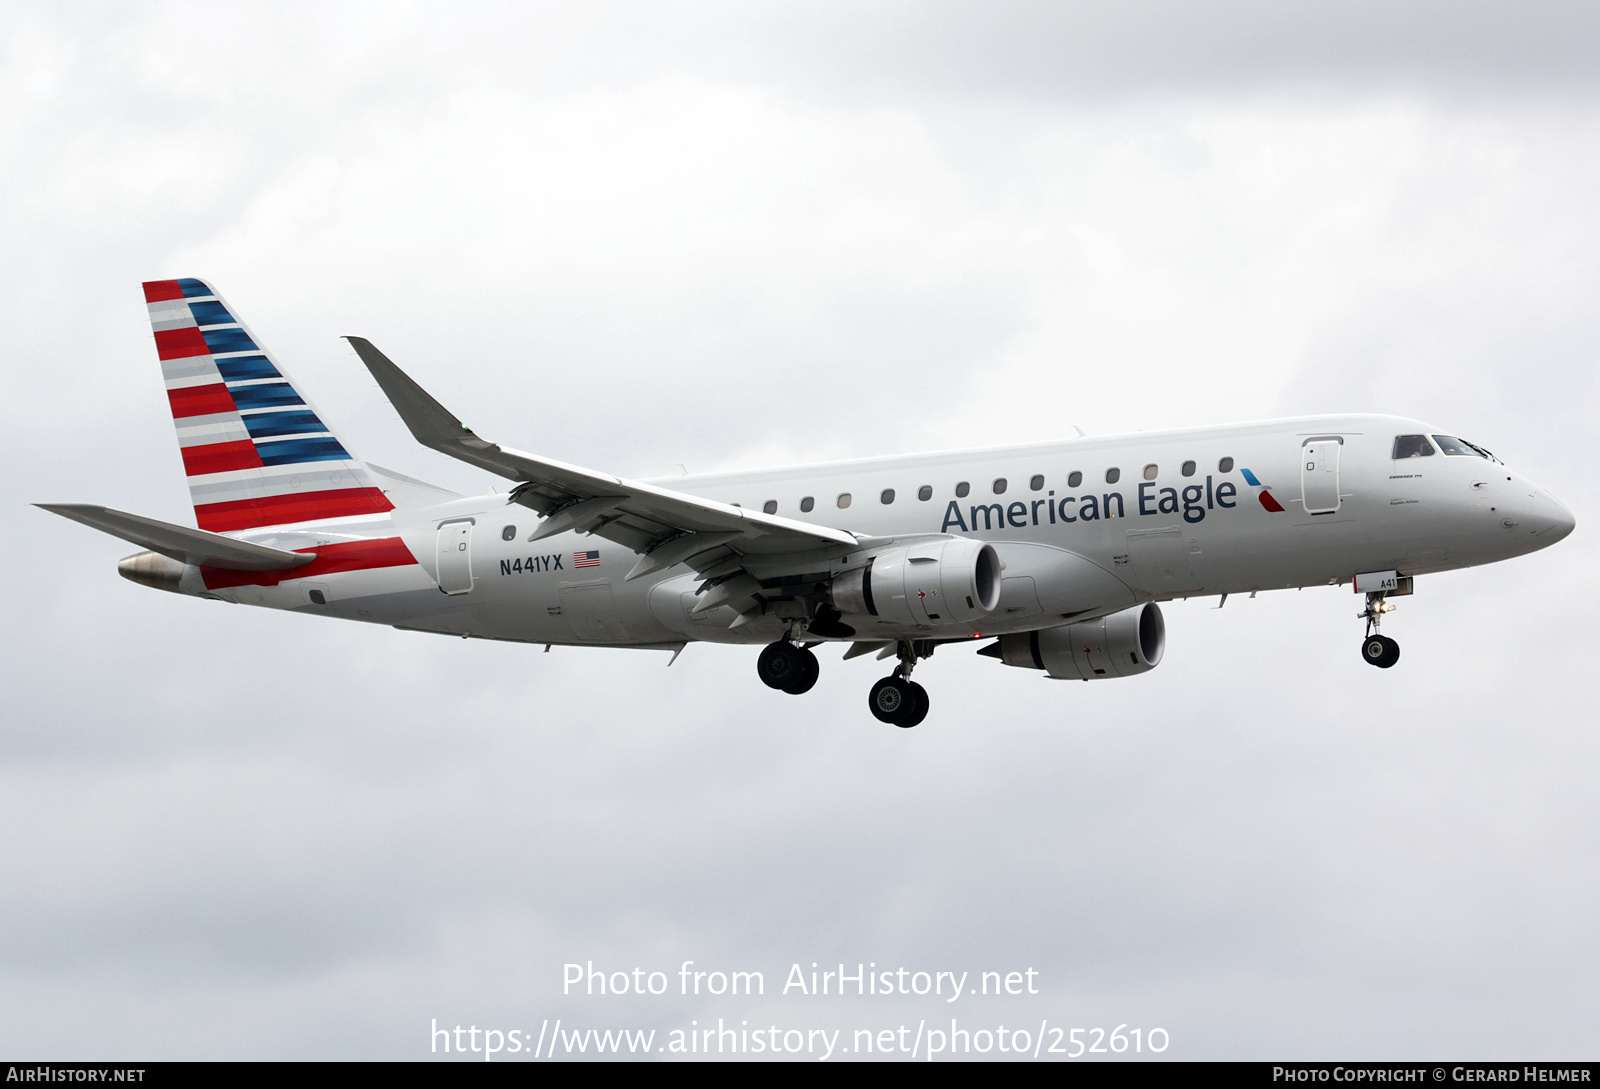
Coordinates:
1412 446
1456 448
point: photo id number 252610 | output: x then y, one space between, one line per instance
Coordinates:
1097 1041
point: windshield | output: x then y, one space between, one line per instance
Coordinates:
1456 448
1412 446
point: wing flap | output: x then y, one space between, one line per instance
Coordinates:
196 546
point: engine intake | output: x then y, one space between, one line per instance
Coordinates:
1120 645
949 581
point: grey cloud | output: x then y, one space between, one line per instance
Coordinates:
1088 51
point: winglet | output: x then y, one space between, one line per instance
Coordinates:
431 423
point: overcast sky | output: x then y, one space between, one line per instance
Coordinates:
732 235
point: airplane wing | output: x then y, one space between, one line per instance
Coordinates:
183 544
664 526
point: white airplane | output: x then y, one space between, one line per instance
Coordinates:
1059 552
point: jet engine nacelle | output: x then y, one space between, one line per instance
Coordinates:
946 581
1119 645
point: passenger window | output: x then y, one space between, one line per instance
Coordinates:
1113 475
1412 446
1188 468
807 504
886 496
844 500
1455 447
1150 472
509 533
1037 483
962 489
925 492
1074 478
1000 485
1225 465
770 507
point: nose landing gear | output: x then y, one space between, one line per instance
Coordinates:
1378 650
897 699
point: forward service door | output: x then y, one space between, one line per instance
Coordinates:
1319 475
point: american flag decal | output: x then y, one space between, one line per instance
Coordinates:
586 559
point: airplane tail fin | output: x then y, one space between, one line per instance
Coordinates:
256 452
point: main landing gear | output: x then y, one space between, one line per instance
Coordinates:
789 668
897 699
1378 650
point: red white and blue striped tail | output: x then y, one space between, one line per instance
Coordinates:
256 452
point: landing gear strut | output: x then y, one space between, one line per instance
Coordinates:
1378 650
897 699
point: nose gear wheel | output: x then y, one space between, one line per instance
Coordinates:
1380 650
1377 650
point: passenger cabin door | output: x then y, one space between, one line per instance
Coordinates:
1319 474
454 557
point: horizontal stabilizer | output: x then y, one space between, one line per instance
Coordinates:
185 545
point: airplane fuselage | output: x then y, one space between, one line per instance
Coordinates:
1083 528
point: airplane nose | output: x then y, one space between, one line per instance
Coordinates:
1562 524
1546 518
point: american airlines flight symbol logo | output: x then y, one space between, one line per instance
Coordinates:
1265 494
